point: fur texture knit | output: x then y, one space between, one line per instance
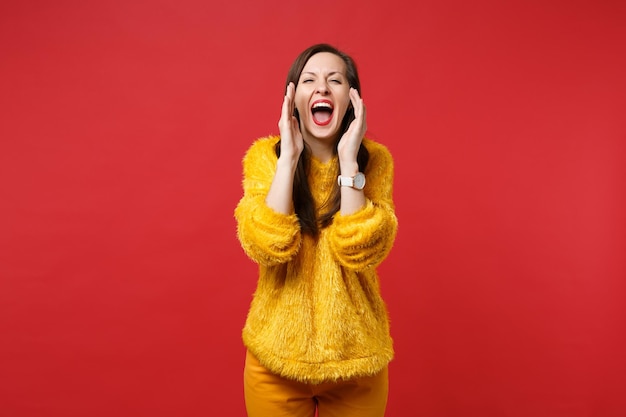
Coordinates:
317 314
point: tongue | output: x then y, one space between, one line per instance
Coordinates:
321 116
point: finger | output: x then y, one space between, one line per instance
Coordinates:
287 108
284 112
362 114
291 93
295 125
357 102
359 124
354 95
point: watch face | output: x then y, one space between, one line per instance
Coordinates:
359 181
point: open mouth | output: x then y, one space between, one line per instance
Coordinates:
322 111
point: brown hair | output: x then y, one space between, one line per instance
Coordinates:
302 198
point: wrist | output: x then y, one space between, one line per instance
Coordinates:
357 182
286 167
348 169
288 161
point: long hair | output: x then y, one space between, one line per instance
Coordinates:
303 202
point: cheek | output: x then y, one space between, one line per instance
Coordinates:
301 104
343 99
343 107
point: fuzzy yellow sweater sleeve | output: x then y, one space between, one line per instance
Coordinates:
363 239
317 313
266 236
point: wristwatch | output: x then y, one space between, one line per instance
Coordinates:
356 182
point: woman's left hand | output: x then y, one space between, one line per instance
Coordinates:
350 142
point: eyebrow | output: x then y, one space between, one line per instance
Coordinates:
329 74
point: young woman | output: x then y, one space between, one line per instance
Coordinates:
317 216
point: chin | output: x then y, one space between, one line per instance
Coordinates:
323 132
324 135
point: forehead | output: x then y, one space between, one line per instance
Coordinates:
324 62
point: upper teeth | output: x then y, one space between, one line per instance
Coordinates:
327 105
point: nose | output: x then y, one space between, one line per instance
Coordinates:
322 87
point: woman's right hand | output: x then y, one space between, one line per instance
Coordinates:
291 142
279 196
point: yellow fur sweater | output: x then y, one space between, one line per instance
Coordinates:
317 314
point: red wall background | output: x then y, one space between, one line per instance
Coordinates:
122 126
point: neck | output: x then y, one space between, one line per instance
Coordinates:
321 149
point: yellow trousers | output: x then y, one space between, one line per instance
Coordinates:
270 395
